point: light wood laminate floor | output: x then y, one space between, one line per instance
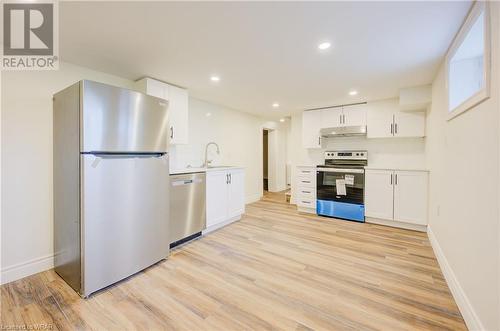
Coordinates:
274 269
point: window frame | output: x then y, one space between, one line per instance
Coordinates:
484 93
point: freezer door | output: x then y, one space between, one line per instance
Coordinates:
120 120
125 215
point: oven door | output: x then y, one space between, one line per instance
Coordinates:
326 181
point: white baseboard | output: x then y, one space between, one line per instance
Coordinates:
252 198
396 224
306 210
221 225
21 270
468 313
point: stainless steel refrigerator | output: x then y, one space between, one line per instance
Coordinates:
111 184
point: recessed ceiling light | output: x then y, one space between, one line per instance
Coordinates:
282 119
353 92
324 45
208 114
215 78
276 105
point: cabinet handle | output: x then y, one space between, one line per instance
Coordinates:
395 128
343 118
391 179
306 191
171 132
227 178
396 179
392 128
319 140
230 178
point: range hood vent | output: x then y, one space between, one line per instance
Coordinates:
344 131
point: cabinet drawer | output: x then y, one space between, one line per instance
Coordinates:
306 182
306 172
305 202
306 192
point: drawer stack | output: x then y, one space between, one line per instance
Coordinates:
305 193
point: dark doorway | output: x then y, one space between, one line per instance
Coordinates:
265 159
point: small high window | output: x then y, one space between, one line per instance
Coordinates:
467 62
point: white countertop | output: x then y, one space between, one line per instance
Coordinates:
379 168
396 168
194 169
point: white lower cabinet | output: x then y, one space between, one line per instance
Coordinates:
410 197
305 189
379 194
236 193
225 197
396 197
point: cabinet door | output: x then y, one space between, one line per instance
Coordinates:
311 124
379 194
379 123
409 124
156 88
236 193
179 115
354 115
217 193
331 117
410 197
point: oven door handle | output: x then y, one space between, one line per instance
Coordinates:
345 170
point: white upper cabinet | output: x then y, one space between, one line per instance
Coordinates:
408 124
380 123
311 124
154 88
178 107
354 115
331 117
384 120
335 117
179 116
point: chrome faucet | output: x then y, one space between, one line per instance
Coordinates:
207 162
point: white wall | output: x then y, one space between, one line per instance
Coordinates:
27 213
238 134
463 158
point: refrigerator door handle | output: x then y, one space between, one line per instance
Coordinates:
105 155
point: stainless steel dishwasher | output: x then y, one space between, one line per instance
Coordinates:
187 207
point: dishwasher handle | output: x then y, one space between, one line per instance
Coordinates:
181 182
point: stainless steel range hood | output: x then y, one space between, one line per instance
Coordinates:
344 131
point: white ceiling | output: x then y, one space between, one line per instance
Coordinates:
265 52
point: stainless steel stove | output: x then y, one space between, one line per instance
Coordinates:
341 184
